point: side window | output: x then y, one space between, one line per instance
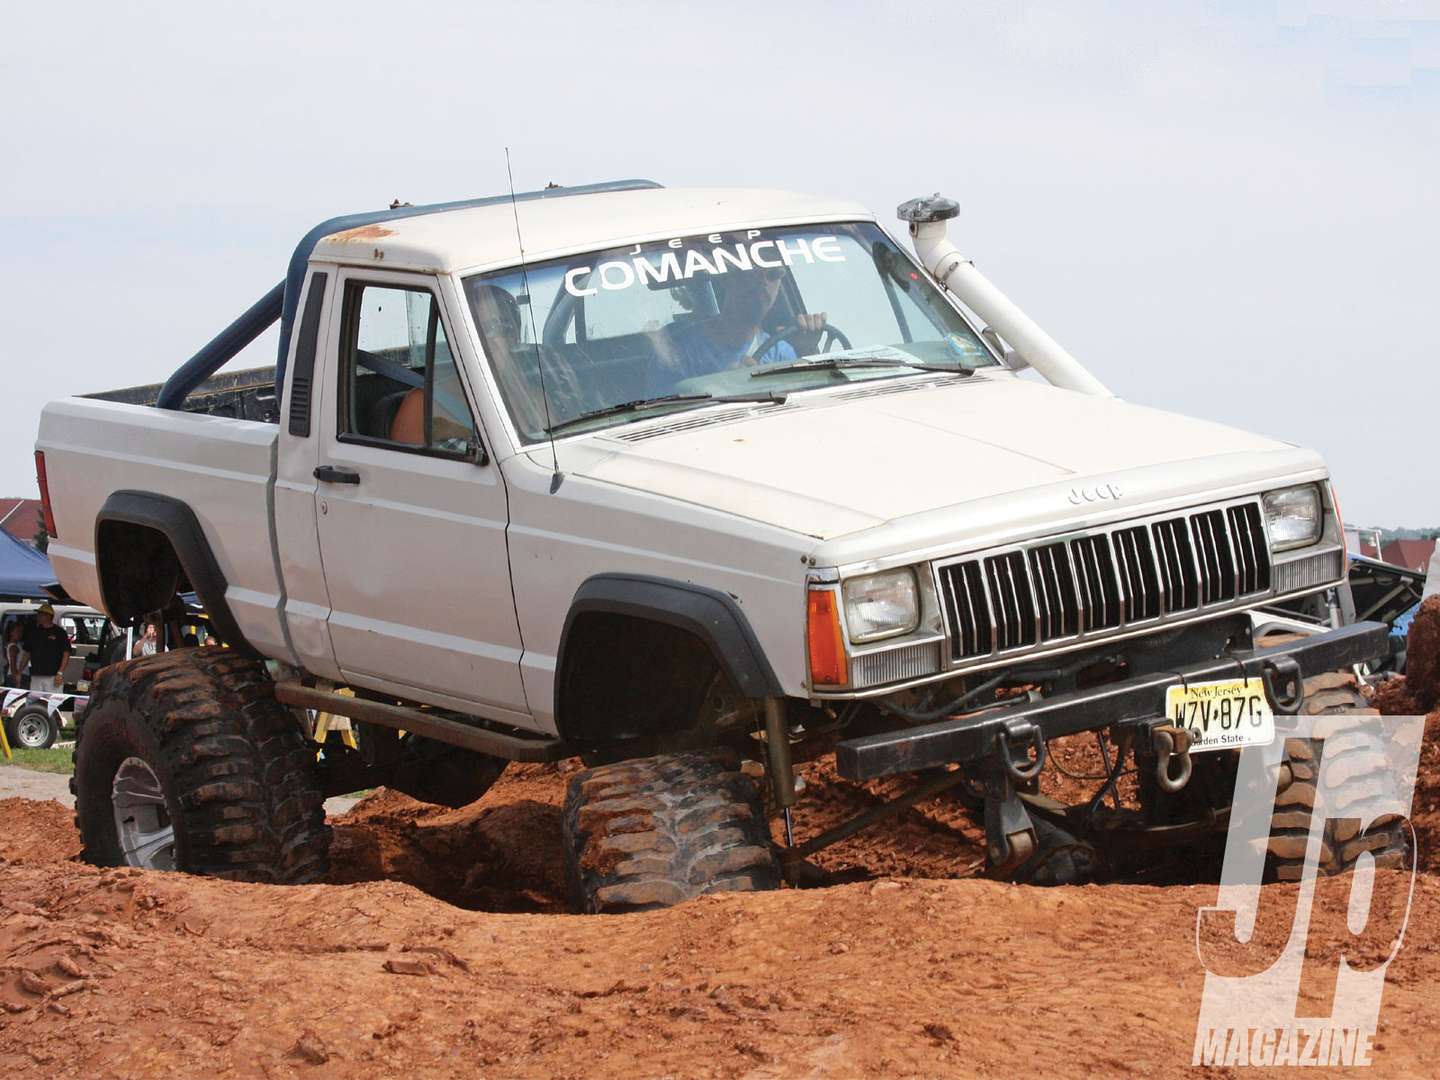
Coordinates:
399 383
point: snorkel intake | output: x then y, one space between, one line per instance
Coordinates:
957 275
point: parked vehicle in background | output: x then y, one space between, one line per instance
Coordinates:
666 480
34 721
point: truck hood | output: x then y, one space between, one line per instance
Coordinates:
829 463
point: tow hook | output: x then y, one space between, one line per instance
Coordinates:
1284 684
1171 744
1012 745
1009 833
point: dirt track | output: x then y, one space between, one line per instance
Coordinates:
132 974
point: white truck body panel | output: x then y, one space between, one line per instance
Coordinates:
220 467
413 527
945 443
586 528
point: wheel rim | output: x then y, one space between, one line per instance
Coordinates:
32 731
142 822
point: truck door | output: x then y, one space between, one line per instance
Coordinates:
411 514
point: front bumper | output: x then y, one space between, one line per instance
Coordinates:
970 738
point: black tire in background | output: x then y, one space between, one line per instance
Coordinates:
201 747
32 727
1353 767
654 832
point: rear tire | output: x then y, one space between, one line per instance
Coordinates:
1351 765
200 747
655 832
32 728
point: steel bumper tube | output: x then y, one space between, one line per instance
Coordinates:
969 738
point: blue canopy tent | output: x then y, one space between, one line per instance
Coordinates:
24 572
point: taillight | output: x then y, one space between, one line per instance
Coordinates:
824 639
45 494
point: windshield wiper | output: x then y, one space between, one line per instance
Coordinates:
665 399
843 362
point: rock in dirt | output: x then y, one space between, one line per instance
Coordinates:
309 1047
71 968
403 966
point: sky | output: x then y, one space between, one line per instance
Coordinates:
1228 210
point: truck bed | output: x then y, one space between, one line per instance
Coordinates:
240 395
221 465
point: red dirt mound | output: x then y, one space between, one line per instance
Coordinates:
499 854
36 832
1395 699
1422 655
125 973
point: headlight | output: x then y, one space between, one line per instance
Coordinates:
882 605
1295 516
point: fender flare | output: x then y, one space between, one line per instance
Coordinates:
175 521
710 615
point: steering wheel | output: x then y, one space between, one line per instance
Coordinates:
831 334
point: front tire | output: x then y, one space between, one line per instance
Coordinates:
1352 767
185 760
655 832
32 728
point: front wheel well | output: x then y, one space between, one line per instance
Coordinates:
628 679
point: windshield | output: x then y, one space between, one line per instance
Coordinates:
703 315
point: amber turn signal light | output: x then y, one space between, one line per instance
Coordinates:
826 643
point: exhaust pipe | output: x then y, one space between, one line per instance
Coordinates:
956 274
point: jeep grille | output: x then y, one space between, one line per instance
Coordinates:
1103 581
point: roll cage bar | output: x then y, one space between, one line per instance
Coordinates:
280 302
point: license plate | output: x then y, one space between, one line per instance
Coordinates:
1223 715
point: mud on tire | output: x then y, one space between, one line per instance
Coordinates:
238 778
1352 767
653 832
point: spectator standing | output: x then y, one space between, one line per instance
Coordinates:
14 670
49 647
148 642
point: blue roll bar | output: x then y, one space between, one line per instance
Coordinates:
280 302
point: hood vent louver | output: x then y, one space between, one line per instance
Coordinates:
885 388
693 422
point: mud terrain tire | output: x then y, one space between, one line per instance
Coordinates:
654 832
1348 757
238 779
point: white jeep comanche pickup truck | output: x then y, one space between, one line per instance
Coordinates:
667 479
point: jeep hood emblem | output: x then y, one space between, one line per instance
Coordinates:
1098 493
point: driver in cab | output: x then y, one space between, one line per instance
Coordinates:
736 337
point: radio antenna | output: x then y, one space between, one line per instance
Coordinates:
556 477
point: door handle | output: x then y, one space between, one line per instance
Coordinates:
330 474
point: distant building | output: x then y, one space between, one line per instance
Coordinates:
1411 554
1359 541
20 518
